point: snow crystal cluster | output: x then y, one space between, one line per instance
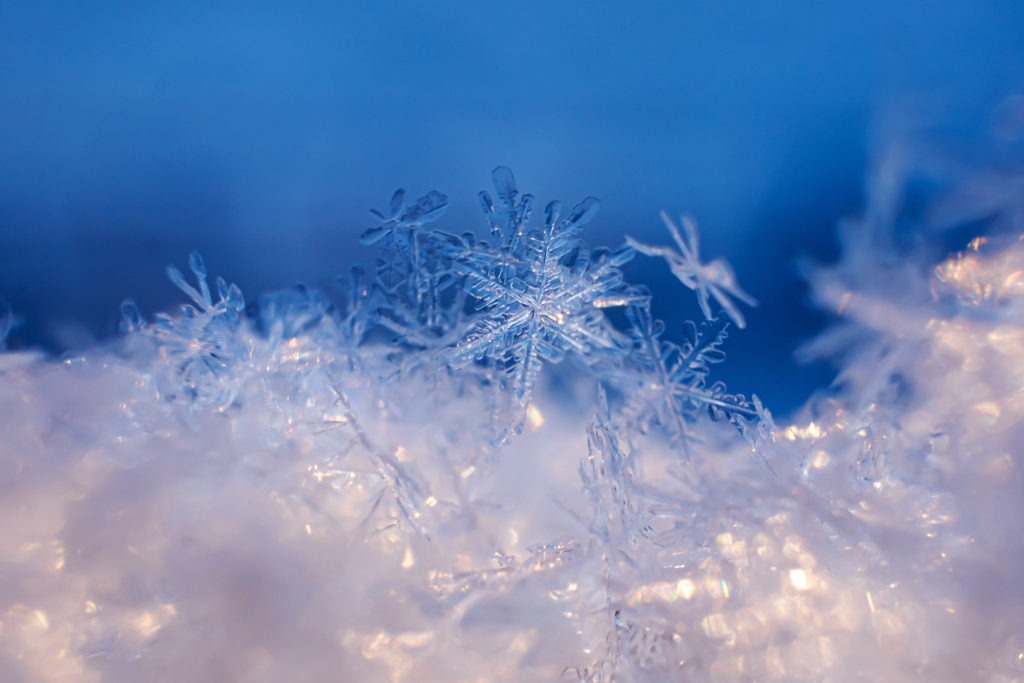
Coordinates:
401 480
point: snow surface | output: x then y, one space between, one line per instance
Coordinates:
398 482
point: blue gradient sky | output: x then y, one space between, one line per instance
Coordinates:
133 132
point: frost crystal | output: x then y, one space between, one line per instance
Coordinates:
203 354
607 474
541 291
413 271
715 279
670 381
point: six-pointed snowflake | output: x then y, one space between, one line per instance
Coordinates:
541 293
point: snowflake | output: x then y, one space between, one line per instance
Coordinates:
414 272
200 346
672 382
715 279
427 209
541 291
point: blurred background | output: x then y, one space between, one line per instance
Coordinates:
131 133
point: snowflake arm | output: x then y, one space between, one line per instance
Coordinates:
508 220
427 209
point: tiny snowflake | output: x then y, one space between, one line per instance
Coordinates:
200 346
414 272
715 279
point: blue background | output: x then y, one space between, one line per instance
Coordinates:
133 132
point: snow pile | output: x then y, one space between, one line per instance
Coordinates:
398 481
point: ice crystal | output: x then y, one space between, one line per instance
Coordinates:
508 221
668 382
199 346
541 291
715 279
413 270
607 474
290 313
393 478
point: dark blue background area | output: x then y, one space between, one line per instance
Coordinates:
131 133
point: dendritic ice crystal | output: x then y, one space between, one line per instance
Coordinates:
483 459
540 292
